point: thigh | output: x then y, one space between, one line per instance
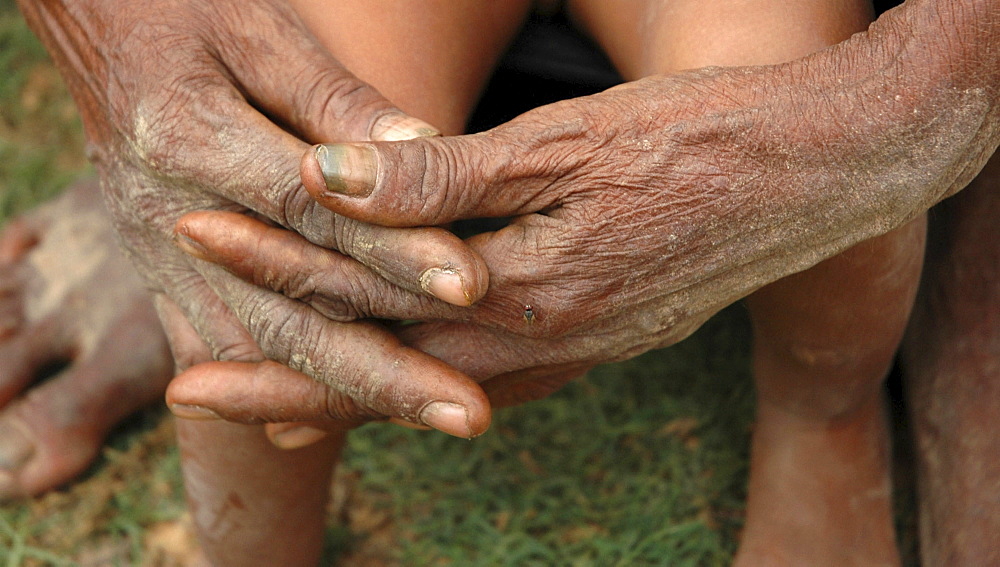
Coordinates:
430 57
644 37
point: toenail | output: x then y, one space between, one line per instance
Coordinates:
15 447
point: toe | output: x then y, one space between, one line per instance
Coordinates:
24 354
16 450
53 433
16 239
37 455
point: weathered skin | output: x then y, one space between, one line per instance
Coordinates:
182 102
67 294
642 211
558 199
952 359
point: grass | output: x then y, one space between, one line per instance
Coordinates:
41 140
641 463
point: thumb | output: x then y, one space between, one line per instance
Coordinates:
431 181
309 91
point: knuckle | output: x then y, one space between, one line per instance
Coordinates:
237 352
340 407
342 98
336 298
167 132
185 357
435 170
296 209
272 324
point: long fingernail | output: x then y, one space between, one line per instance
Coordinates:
397 127
197 413
450 418
349 169
445 284
298 437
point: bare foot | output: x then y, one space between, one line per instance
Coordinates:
819 491
69 298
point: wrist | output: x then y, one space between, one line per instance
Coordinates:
907 111
948 63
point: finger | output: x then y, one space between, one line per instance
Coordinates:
285 262
312 92
200 327
433 181
516 388
265 392
263 176
269 392
511 369
337 286
478 351
362 360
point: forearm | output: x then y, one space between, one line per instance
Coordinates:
879 128
949 55
82 38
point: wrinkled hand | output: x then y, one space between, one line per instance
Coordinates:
188 105
641 211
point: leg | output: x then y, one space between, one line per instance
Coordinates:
819 489
952 370
238 485
67 295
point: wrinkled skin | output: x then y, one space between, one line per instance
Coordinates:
641 211
67 295
188 105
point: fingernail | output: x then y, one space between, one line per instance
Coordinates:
349 169
190 246
409 424
298 437
197 413
450 418
445 284
398 127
